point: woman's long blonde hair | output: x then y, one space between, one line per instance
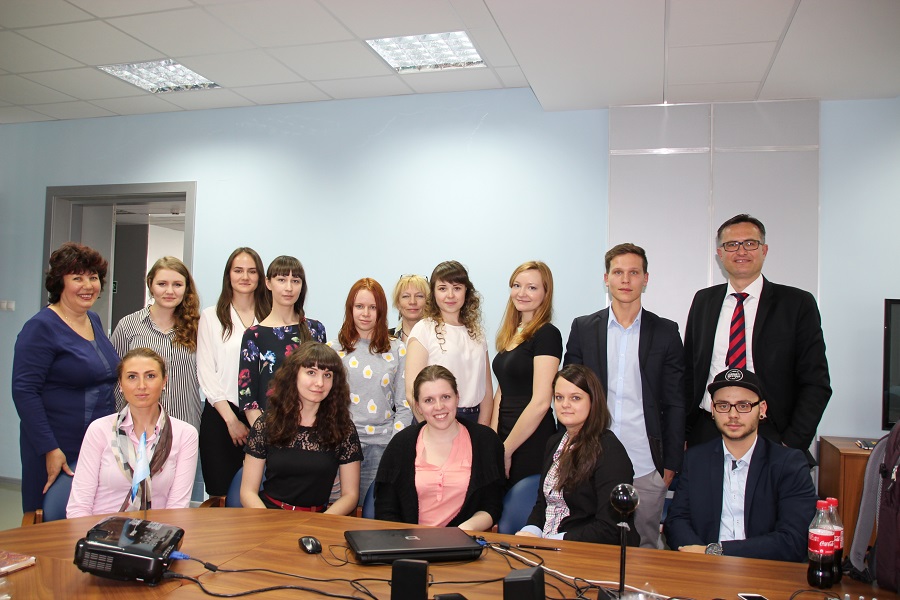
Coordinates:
508 333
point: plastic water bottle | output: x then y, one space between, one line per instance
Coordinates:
821 548
838 526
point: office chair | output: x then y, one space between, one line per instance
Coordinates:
55 501
368 508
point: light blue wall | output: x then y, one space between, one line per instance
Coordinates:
354 188
859 200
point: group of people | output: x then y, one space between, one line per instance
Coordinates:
411 413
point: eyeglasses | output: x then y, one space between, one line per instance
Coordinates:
748 245
741 407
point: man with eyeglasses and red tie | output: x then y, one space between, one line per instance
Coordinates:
741 494
771 329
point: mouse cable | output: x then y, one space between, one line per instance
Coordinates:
171 575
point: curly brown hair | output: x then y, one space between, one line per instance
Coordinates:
71 258
451 271
584 450
187 313
333 422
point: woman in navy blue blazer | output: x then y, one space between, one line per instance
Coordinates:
64 371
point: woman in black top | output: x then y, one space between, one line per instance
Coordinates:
304 438
529 349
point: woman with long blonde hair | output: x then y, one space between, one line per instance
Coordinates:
529 349
168 326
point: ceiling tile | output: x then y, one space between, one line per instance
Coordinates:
389 18
512 77
339 60
138 105
17 114
285 93
237 69
18 90
719 64
93 43
492 47
709 22
282 22
712 92
87 83
72 110
204 99
183 32
453 80
837 50
474 13
118 8
368 87
33 13
20 55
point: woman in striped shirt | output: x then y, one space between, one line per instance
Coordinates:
168 326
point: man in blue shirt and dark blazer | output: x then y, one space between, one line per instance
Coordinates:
639 358
742 494
784 342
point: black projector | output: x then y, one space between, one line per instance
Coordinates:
128 549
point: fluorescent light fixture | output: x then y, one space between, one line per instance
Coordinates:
160 76
429 52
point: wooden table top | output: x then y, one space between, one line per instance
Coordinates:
252 538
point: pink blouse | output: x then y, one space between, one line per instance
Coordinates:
442 490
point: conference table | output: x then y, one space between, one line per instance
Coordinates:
237 538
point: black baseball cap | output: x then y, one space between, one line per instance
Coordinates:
736 378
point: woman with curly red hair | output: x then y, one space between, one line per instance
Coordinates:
64 371
304 438
168 326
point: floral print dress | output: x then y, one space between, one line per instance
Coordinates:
263 350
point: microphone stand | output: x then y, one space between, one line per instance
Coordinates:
623 532
624 498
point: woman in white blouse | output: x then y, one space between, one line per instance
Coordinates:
223 428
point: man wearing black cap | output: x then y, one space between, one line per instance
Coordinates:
767 497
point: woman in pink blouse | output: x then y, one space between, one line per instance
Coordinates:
113 446
443 471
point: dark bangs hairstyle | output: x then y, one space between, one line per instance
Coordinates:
333 422
73 258
582 452
381 338
451 271
262 297
285 266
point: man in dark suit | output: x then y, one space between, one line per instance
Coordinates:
742 494
638 357
776 332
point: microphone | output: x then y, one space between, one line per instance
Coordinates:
624 499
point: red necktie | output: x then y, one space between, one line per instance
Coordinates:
737 341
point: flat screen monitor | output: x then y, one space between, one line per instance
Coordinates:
891 392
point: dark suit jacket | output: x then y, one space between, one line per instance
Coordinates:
591 516
779 502
788 352
661 358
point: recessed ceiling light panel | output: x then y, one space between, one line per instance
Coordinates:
160 76
429 52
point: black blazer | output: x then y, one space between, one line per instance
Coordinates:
788 352
591 516
661 357
779 502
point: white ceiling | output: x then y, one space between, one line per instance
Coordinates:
573 54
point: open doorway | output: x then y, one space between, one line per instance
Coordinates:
128 224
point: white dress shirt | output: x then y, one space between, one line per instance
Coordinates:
731 526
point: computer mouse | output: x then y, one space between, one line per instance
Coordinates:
310 545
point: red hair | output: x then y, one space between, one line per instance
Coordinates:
348 336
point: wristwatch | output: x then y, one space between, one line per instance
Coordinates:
714 548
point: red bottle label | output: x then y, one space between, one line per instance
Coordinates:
821 541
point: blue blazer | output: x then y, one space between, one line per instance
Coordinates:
661 358
779 503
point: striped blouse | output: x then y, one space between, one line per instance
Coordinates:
181 395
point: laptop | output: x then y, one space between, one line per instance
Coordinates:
434 544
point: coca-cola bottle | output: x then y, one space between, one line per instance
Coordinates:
838 526
821 548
